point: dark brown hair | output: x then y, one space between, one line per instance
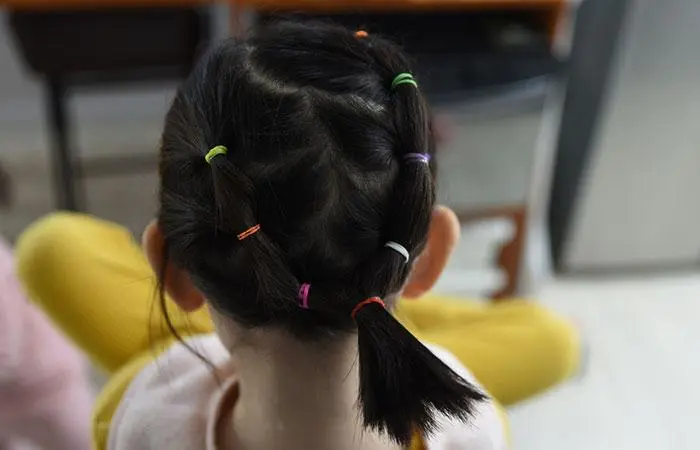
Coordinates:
316 139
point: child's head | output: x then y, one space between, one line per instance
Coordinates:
332 163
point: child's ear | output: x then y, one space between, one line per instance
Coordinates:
178 284
442 241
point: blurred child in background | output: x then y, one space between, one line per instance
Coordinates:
44 393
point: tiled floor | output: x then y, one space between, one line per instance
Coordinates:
639 389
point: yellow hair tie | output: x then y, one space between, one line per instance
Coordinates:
216 151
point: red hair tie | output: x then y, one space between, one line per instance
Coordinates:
364 303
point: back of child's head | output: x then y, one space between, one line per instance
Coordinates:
332 163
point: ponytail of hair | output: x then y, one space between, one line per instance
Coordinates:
402 383
404 387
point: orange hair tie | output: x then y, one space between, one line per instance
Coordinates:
249 232
359 34
364 303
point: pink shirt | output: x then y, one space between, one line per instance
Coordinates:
44 392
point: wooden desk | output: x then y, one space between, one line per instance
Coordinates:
394 5
101 47
61 5
553 10
281 5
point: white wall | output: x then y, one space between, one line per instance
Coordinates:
638 204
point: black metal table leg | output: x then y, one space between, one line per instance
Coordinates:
101 47
65 166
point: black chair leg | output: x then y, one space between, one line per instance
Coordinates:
5 189
65 166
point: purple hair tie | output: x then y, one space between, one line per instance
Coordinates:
304 296
417 157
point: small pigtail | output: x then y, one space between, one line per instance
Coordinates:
255 259
402 383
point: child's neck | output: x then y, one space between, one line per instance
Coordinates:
298 395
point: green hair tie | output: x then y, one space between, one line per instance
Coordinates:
214 152
403 78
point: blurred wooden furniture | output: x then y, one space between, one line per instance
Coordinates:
99 47
67 5
285 4
551 11
509 256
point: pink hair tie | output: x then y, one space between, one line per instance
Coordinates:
304 296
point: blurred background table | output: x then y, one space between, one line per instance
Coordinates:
73 44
